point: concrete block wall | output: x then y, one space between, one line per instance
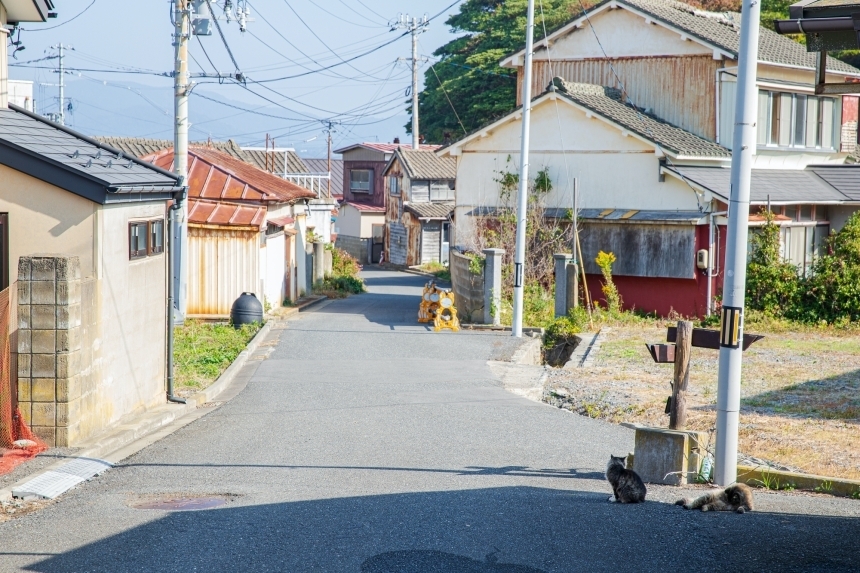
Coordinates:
355 246
49 346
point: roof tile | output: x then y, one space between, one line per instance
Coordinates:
430 210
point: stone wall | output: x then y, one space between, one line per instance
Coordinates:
355 246
468 289
49 345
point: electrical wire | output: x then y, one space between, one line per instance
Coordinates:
224 40
78 15
333 15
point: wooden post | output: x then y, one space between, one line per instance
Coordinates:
678 413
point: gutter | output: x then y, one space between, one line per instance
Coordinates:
812 25
178 199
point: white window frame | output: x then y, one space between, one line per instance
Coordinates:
767 125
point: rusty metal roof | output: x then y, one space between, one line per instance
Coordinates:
222 213
366 207
213 174
425 164
281 221
430 210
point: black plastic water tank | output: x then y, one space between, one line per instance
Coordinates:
246 310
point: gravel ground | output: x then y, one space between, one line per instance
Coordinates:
800 405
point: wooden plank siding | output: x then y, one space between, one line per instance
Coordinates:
431 241
678 89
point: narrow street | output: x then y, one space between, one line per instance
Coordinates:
365 442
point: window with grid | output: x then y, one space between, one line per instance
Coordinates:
394 184
359 180
798 120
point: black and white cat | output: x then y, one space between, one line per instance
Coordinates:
627 486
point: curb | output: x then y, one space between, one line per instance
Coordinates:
158 419
760 475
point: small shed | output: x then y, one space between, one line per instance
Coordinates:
420 188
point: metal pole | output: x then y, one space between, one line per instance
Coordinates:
180 142
522 195
415 136
732 319
62 116
575 220
329 160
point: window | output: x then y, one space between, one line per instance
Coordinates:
797 120
156 237
145 238
394 184
137 235
359 180
441 191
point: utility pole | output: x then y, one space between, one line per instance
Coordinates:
522 195
734 285
61 116
329 130
415 27
182 17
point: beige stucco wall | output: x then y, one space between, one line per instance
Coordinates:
613 171
46 219
349 221
132 295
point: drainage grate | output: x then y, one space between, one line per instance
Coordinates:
55 482
181 503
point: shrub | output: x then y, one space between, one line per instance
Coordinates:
610 291
343 264
564 328
773 285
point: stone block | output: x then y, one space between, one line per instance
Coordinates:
44 366
43 269
68 435
44 341
668 456
74 315
68 292
24 317
68 364
68 389
44 414
68 413
43 292
24 361
47 434
44 390
26 409
69 340
68 268
24 292
24 268
25 342
24 390
43 316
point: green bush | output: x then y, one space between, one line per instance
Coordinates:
773 285
342 263
563 328
351 285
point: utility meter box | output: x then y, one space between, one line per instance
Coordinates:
702 259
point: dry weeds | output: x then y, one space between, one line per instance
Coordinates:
800 394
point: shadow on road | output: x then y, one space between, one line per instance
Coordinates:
490 530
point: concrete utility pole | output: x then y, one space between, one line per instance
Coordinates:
329 130
732 319
522 195
182 17
61 116
415 26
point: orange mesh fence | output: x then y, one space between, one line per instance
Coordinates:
17 442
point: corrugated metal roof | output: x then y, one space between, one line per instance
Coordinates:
425 164
430 210
384 147
281 221
718 29
321 166
275 161
366 207
223 213
607 102
780 185
27 135
213 174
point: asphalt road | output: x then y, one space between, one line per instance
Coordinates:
367 443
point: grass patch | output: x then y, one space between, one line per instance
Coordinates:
202 351
343 280
437 269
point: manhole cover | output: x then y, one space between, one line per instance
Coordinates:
178 503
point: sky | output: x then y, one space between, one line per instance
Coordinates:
118 50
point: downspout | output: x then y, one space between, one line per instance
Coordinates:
171 277
710 270
717 115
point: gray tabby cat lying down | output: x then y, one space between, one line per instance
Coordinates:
627 486
737 497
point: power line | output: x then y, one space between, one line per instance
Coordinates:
78 15
332 14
